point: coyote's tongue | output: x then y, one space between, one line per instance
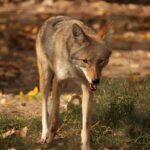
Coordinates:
93 86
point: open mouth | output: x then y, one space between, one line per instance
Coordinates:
92 86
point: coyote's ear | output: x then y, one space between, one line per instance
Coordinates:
105 33
78 33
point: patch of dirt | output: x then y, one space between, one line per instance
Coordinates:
11 104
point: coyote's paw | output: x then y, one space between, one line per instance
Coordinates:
43 140
47 139
50 137
44 135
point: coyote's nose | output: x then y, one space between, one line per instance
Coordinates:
95 81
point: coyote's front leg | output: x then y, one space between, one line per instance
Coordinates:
45 76
87 99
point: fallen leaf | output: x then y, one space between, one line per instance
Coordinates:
8 133
22 132
33 93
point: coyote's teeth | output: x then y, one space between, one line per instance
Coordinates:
93 86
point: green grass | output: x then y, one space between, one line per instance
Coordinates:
121 120
30 142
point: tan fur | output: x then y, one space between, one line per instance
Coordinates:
67 48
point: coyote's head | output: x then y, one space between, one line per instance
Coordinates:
90 53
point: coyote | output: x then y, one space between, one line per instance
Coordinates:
68 49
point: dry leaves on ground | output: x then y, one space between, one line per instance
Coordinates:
21 133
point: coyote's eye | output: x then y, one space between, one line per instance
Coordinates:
85 61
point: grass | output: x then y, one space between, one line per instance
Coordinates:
17 142
121 120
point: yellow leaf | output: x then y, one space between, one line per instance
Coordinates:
33 92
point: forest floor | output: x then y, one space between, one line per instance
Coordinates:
121 112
